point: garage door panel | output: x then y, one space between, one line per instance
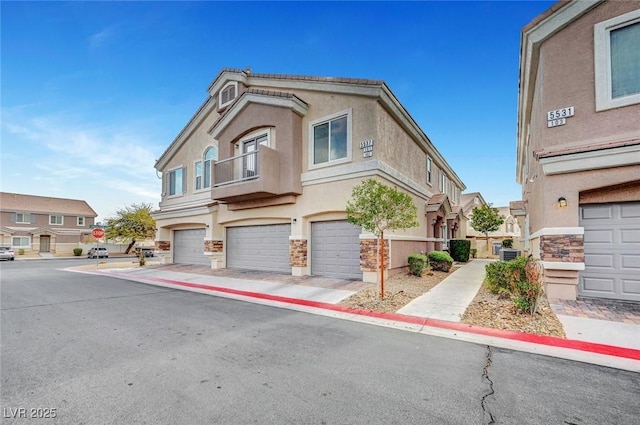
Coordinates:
335 250
611 251
188 247
259 247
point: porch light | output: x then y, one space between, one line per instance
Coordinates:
562 202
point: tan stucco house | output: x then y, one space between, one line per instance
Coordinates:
43 224
578 147
260 176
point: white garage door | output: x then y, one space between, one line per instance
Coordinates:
259 247
611 251
188 247
335 250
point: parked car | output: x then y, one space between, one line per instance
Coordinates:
6 253
98 252
148 252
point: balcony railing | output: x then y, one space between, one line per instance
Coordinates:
237 169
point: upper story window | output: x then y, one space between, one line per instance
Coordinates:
23 218
617 61
56 220
202 169
443 182
81 222
227 94
176 183
429 165
330 140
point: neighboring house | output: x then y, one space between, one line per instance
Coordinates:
509 229
578 147
260 176
43 224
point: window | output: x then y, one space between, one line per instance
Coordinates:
23 218
198 175
429 170
80 221
617 61
443 182
331 139
176 182
210 155
56 220
20 241
227 94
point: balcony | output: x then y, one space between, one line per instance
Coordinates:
253 175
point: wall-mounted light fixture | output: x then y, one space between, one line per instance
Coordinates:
206 226
294 220
435 220
533 178
562 202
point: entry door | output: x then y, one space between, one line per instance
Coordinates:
45 243
249 163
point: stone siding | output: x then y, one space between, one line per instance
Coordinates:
562 248
298 253
163 245
213 246
369 255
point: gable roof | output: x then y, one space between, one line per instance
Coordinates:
467 201
282 86
16 202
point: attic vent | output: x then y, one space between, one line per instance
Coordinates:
228 93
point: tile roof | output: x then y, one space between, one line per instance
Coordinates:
544 15
542 153
15 202
344 80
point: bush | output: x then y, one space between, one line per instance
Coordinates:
507 243
440 260
417 263
77 252
474 252
460 249
21 251
519 278
142 258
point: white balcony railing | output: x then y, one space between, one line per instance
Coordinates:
236 169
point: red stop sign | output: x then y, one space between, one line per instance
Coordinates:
97 233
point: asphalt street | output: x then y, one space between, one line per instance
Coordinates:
97 350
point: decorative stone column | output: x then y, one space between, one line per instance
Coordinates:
298 256
563 258
214 248
369 259
164 251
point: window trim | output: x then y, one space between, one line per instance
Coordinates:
196 176
429 171
207 183
23 214
602 61
183 188
310 141
225 87
56 224
79 219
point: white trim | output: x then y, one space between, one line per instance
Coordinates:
21 246
298 238
84 221
56 224
592 160
558 265
602 59
229 84
168 182
548 231
365 169
327 119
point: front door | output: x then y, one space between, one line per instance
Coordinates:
45 243
249 163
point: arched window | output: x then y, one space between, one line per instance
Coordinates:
210 155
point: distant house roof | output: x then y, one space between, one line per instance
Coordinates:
15 202
467 201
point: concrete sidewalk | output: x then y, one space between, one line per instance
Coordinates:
451 297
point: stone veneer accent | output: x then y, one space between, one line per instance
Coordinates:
163 245
369 255
562 248
298 252
213 246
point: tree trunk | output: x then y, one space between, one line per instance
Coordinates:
381 245
133 242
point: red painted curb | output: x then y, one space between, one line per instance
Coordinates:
591 347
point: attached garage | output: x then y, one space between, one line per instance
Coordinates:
188 247
335 249
611 251
259 247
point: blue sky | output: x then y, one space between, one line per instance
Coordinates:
93 92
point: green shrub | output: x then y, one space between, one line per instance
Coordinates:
417 263
440 260
77 252
507 243
460 249
496 277
519 278
142 258
21 251
474 252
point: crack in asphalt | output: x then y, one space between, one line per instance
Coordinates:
485 375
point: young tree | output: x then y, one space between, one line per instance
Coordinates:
377 208
131 223
486 219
